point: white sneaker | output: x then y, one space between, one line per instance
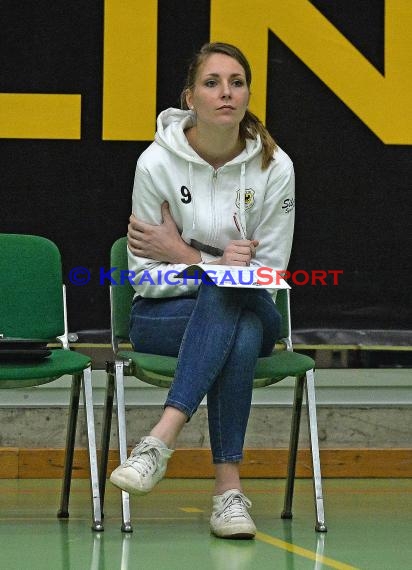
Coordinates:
230 518
144 468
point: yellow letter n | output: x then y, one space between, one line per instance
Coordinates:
382 102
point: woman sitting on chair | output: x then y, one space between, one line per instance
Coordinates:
212 188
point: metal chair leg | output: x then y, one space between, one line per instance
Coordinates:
293 448
106 427
121 426
91 439
314 446
63 512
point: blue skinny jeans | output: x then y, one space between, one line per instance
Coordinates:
218 335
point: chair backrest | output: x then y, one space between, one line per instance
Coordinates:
31 292
121 296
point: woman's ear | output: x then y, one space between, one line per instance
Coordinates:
189 99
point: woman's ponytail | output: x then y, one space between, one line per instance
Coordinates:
251 126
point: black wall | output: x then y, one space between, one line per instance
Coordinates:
353 191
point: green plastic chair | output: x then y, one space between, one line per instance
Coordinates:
33 306
159 371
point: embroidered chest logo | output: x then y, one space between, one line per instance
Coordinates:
249 198
288 205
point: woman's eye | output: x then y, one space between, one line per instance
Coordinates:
210 83
238 83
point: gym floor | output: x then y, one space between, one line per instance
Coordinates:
369 527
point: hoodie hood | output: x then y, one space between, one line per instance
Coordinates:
171 125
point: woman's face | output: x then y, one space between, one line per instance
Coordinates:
220 95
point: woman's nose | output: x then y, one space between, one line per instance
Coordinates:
226 91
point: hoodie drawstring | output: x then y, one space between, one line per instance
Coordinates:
242 196
194 219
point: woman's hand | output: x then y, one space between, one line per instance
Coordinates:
161 242
239 252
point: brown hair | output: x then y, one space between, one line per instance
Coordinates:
250 126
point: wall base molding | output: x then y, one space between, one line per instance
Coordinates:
40 463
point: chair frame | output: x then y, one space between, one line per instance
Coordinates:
80 382
304 384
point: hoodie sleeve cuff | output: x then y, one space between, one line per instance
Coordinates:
207 257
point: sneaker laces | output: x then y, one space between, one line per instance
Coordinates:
233 506
144 458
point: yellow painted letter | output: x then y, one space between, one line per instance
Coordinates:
383 103
130 63
39 116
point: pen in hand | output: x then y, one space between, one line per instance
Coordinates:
239 225
253 243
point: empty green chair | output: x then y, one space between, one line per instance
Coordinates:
32 306
159 371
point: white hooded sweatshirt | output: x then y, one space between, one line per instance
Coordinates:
203 202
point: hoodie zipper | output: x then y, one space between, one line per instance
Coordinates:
214 188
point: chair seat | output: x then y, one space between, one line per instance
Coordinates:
281 364
22 374
160 370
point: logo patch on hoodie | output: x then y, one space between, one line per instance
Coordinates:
288 205
249 198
